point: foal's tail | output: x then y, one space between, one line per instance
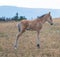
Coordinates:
19 26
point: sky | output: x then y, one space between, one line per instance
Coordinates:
51 4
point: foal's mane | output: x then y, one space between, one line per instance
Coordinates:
39 17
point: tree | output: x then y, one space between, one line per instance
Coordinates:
2 18
22 18
15 17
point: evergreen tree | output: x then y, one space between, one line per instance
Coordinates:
15 17
22 18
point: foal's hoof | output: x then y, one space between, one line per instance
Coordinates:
38 45
15 47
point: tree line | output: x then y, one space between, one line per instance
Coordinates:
14 18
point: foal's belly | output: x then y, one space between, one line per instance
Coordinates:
29 29
35 26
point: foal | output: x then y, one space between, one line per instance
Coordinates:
35 25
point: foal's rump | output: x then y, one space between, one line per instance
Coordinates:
23 25
19 26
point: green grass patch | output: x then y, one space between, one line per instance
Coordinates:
1 49
3 35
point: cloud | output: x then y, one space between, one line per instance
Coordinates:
53 4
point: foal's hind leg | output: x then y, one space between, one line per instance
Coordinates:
38 40
18 35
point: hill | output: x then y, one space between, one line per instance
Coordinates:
10 11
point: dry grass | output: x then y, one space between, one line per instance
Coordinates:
49 40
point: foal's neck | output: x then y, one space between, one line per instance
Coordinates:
43 20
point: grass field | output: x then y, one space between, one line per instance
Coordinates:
49 41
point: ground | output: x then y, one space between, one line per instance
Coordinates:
49 41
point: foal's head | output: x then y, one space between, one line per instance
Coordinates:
49 19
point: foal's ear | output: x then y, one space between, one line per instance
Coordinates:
49 13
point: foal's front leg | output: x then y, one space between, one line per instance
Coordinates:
38 40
